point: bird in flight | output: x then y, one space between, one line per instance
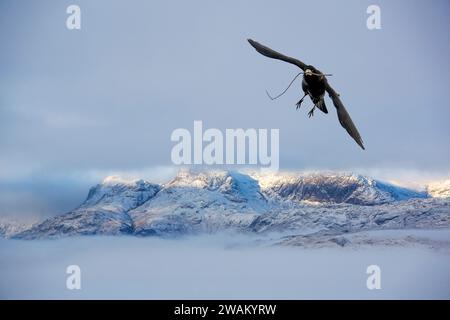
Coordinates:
314 85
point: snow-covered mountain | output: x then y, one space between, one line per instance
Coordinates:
211 201
105 211
334 188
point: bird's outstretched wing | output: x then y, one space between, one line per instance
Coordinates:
343 116
265 51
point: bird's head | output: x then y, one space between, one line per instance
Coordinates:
310 71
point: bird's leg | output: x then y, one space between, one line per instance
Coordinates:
299 104
311 112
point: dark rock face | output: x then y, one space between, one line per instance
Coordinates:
341 188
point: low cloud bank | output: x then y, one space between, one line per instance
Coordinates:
215 267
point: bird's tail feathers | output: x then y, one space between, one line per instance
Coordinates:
320 103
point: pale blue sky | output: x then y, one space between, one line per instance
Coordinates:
107 97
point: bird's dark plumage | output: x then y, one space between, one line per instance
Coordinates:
265 51
315 84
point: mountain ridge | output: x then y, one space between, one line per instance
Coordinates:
211 201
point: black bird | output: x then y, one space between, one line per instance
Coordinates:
314 85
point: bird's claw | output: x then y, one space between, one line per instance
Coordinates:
311 113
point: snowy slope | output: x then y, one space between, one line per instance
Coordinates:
204 201
105 211
344 218
10 227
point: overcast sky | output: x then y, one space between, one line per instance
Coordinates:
79 104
